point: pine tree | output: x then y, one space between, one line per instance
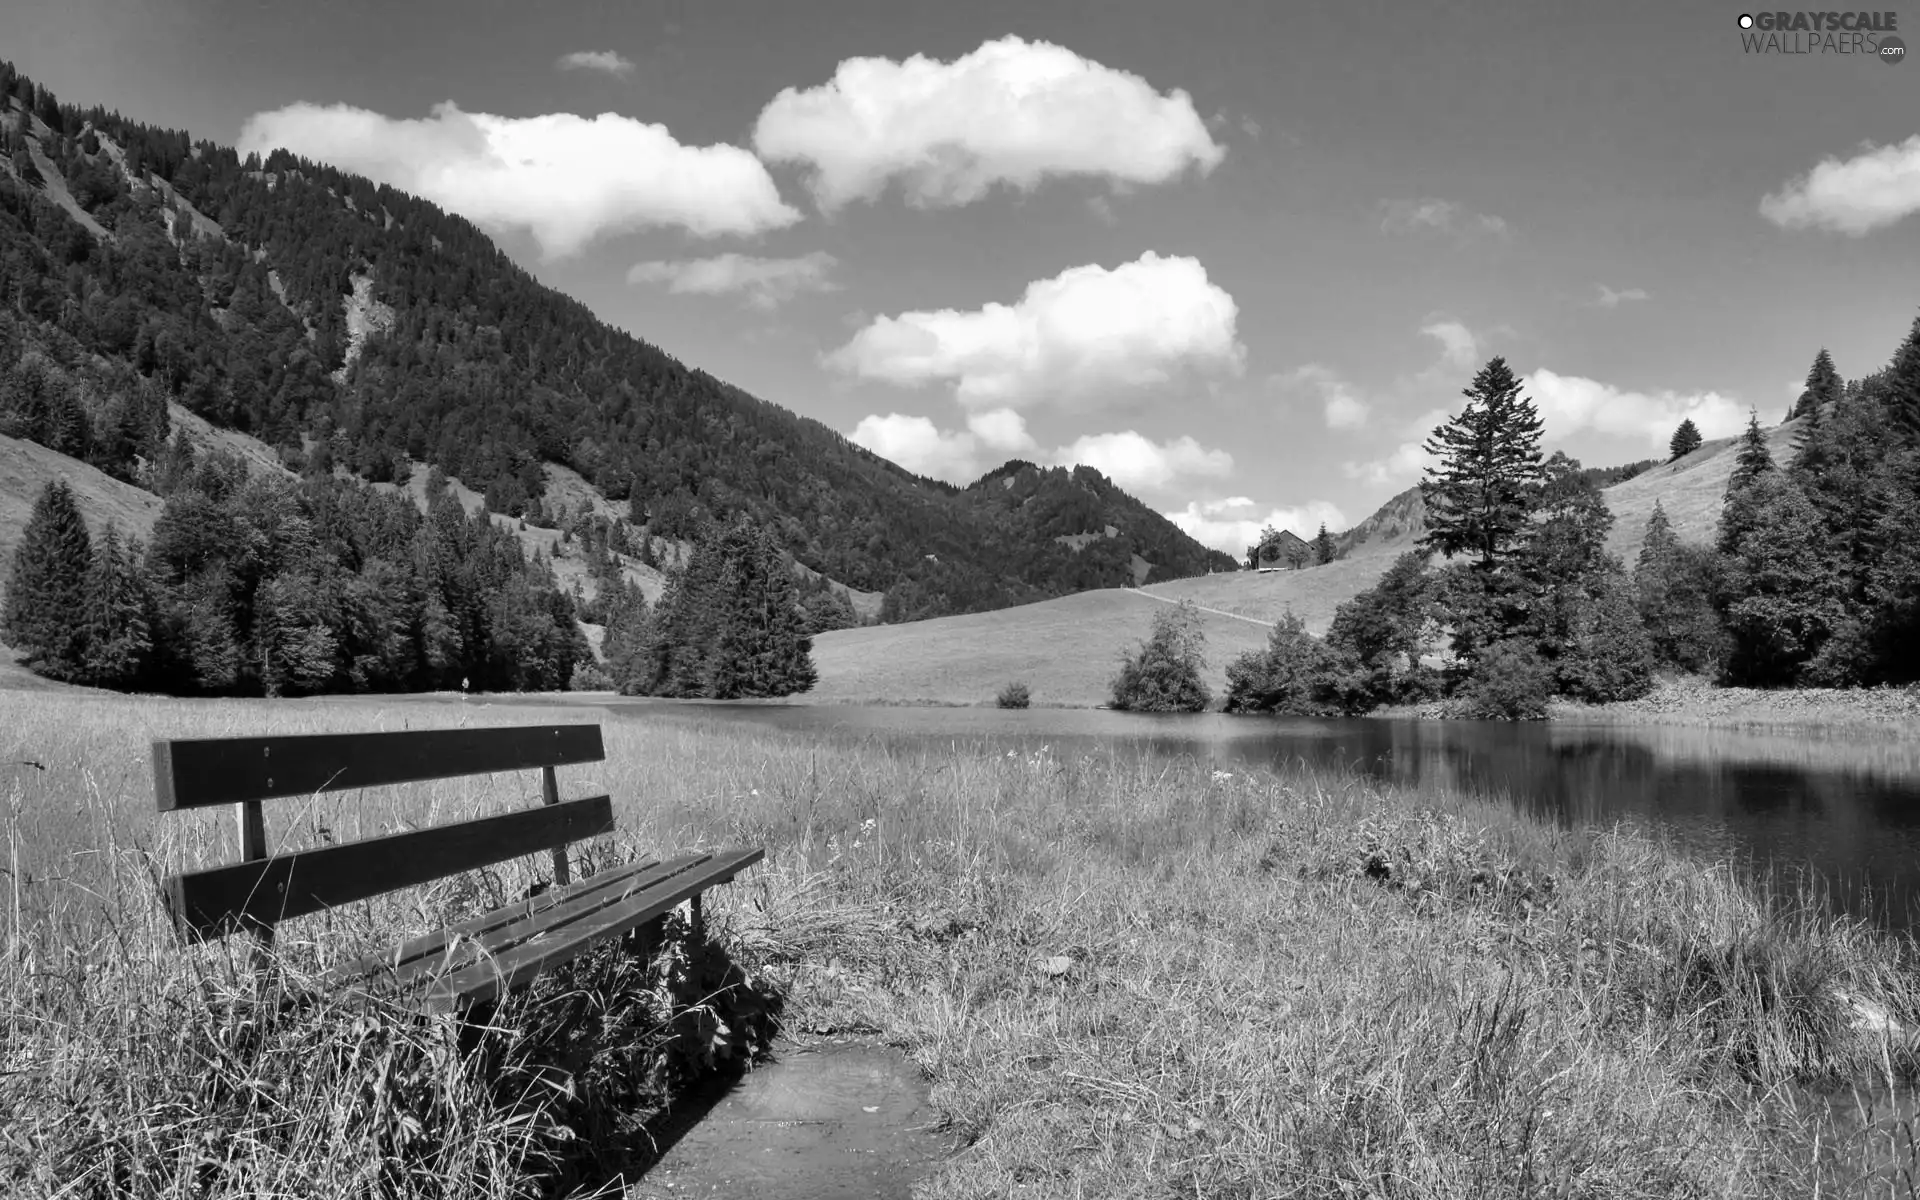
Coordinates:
118 637
1479 498
47 588
1323 546
1686 439
1751 463
1753 459
1823 387
1901 395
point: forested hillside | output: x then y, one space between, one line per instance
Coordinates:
351 324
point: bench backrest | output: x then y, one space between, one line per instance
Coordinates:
263 889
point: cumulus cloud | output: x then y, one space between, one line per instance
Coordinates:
1233 524
563 178
1430 215
1612 299
766 283
1408 461
1137 462
1569 403
1086 332
1458 345
1875 188
1011 113
595 60
1341 403
1130 459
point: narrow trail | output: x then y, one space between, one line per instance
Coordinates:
1218 612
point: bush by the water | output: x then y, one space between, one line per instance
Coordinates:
1509 682
1291 676
1014 695
1165 674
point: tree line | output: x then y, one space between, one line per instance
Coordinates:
1511 597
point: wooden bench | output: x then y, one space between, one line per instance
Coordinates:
465 964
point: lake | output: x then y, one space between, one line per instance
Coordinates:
1848 811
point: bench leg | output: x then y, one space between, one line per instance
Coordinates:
698 921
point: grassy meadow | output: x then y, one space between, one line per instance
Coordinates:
1067 650
1123 978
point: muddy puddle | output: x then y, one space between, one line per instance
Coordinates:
828 1121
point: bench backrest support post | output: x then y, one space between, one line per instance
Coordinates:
550 794
253 847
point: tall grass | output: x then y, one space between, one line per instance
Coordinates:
1124 976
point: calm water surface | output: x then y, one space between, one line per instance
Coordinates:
1846 811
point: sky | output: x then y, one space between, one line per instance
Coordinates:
1242 257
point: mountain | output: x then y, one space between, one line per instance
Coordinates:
347 324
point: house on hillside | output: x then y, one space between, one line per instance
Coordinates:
1278 550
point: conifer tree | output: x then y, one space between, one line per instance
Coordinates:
1323 546
1752 462
1901 394
1823 387
118 637
1686 439
1479 498
46 590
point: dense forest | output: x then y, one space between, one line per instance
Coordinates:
1512 599
138 265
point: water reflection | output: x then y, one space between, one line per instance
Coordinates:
1847 814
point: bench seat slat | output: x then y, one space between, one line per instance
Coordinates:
459 943
215 901
197 772
546 945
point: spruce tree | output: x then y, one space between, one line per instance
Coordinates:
1823 387
47 588
118 637
1901 393
1686 439
1753 459
1479 498
1323 546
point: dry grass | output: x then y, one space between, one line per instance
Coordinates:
1125 978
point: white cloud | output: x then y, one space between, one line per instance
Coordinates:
1011 112
1341 403
1130 459
1569 403
1408 460
565 179
1458 345
1084 333
595 60
1233 525
765 282
1875 188
1612 299
1136 462
1439 216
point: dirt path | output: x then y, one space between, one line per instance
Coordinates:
1218 612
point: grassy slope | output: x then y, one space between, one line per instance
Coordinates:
1066 650
26 468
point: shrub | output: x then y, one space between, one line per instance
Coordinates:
1014 695
1509 682
589 676
1294 675
1164 676
1610 656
